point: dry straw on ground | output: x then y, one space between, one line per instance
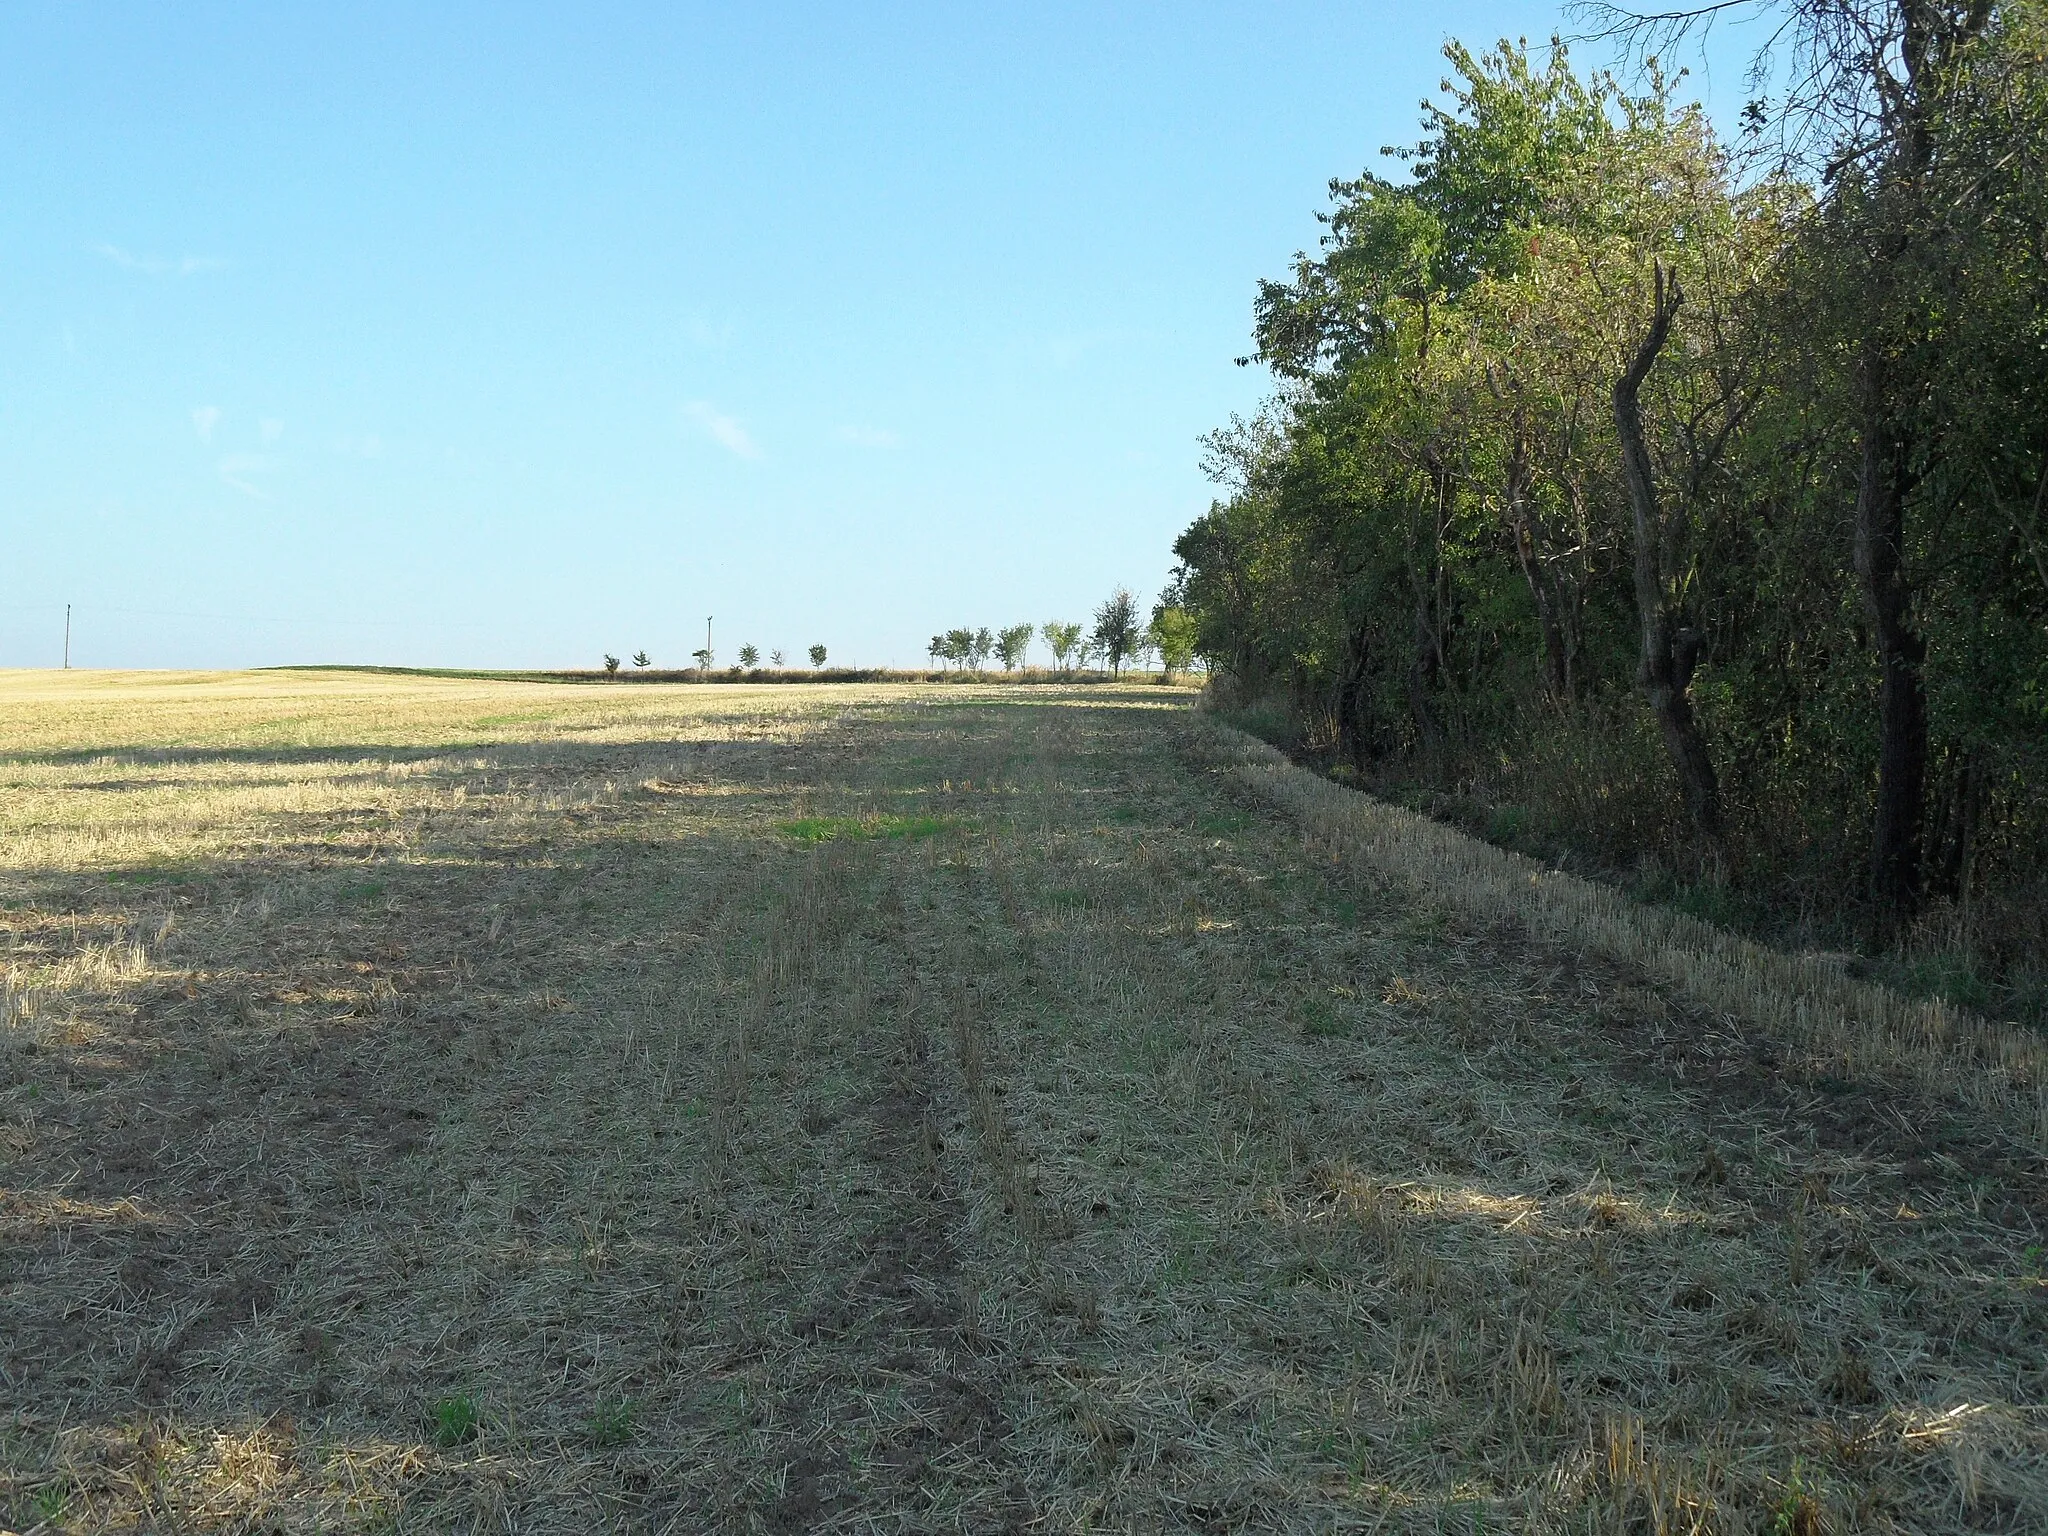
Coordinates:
1840 1021
431 1105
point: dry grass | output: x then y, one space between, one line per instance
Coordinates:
1066 1142
1836 1020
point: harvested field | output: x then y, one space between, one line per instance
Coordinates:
441 1105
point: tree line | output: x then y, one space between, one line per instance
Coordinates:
1677 497
1117 639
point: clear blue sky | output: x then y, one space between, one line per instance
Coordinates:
510 335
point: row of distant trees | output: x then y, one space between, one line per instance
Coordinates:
706 659
1117 639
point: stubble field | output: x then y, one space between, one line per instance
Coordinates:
449 1105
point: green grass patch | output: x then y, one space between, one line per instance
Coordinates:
826 829
167 875
455 1419
610 1424
1320 1020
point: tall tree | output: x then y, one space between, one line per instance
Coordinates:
1116 633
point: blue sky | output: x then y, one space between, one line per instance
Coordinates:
510 335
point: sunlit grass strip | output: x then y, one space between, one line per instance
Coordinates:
830 829
1806 999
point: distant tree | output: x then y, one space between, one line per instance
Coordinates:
1116 634
1174 633
750 657
775 658
937 649
1012 644
817 655
1064 641
640 659
703 659
960 646
981 647
611 666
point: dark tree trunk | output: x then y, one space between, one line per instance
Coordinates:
1556 658
1951 838
1423 669
1669 651
1354 693
1899 823
1426 662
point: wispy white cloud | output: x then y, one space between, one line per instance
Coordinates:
722 429
869 437
156 266
236 468
205 419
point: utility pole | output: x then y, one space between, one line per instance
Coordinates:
67 637
707 641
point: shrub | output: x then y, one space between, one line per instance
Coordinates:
1174 633
1012 645
1116 628
817 655
1064 640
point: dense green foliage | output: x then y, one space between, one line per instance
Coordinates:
1680 503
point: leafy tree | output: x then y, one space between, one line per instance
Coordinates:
1116 634
1695 502
611 666
979 648
703 657
1013 643
641 659
1174 633
938 650
750 657
817 656
1063 640
775 659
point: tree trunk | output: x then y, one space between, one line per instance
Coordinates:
1669 652
1422 671
1426 660
1898 826
1354 724
1556 662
